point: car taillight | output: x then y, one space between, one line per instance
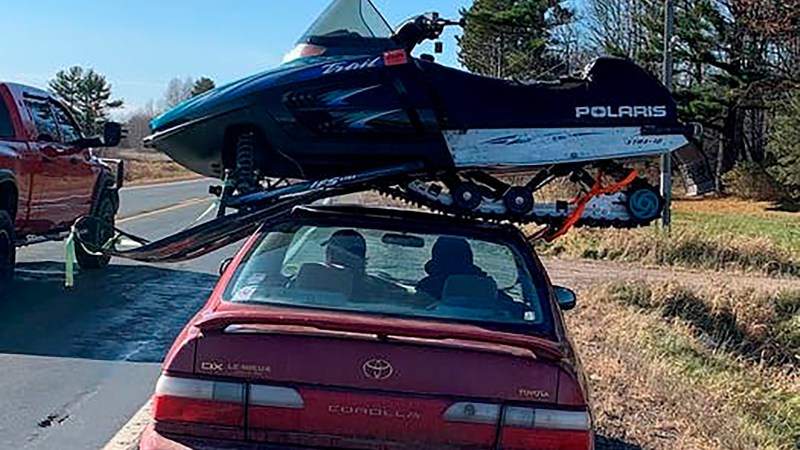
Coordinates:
199 407
467 412
214 408
275 397
525 428
545 429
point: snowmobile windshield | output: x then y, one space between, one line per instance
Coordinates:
350 18
346 27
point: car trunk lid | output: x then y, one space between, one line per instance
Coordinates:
321 379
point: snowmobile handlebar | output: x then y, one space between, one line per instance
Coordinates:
428 26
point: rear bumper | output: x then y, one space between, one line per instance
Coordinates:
156 440
153 440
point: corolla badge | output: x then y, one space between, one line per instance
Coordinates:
377 369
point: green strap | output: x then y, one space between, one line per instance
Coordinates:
69 259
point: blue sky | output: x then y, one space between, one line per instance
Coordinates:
140 45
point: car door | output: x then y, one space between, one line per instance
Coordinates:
50 192
79 174
16 156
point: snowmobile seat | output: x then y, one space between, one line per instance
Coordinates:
476 102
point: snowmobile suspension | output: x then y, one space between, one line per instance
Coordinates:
626 202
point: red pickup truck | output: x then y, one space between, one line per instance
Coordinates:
49 176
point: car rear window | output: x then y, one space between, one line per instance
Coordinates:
427 276
6 127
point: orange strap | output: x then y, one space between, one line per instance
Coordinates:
582 201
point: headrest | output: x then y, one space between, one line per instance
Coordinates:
470 291
324 278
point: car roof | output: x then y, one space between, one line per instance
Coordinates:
18 88
409 217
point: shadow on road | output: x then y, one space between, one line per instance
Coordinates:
123 312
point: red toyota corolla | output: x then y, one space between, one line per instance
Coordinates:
358 328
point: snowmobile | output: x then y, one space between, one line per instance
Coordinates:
351 98
351 110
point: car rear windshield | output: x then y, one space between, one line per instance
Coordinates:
426 276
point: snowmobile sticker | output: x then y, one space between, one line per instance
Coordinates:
498 148
611 112
349 66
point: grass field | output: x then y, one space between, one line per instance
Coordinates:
711 234
671 367
144 172
740 218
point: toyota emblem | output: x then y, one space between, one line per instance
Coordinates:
377 369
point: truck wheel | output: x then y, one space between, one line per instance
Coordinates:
98 232
7 249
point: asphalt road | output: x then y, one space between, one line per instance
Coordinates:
76 364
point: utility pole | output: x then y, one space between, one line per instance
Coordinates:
666 159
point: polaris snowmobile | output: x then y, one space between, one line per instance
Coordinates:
350 98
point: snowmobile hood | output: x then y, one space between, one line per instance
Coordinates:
240 93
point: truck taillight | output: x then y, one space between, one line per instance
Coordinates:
525 428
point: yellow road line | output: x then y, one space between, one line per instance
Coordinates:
183 204
137 187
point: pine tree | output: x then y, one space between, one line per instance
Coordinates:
784 144
87 94
513 38
202 84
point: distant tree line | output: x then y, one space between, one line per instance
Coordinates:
88 95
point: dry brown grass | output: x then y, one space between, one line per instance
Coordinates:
658 380
685 248
143 171
730 205
758 325
147 166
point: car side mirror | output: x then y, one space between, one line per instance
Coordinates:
224 265
92 142
112 134
565 298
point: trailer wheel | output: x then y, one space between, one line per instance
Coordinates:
7 249
97 233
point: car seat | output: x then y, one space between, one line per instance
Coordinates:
317 277
470 291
